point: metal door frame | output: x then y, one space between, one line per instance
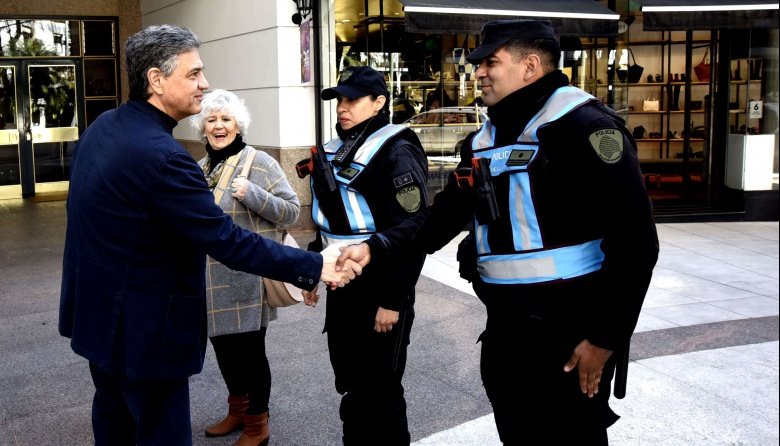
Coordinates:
15 189
26 160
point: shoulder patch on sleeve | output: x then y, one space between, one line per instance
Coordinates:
409 198
608 144
402 180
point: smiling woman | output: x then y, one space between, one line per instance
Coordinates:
262 200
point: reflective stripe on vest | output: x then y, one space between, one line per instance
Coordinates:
543 264
316 214
356 208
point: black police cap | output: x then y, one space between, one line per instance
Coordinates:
356 82
496 33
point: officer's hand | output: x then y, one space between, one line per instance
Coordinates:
385 319
336 276
359 253
589 360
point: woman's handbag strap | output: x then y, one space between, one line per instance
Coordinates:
250 158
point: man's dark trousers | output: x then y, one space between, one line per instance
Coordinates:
140 413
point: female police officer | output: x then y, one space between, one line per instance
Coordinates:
379 171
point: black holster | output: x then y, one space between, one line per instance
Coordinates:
467 258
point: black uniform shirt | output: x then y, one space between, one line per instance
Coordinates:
578 198
393 185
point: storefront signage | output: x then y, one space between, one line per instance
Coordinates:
756 109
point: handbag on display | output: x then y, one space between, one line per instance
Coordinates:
639 132
702 70
651 104
633 72
277 293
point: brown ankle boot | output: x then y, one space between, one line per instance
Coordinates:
234 421
255 431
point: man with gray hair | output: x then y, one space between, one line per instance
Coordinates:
141 220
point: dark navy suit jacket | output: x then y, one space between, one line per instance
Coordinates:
141 220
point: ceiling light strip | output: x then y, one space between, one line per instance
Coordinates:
701 8
504 12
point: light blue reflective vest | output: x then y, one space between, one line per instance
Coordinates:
361 222
525 259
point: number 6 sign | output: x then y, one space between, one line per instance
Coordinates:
755 109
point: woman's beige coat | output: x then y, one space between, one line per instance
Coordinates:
236 300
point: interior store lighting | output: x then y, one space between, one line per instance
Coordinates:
703 8
514 12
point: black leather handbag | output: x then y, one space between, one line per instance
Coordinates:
633 73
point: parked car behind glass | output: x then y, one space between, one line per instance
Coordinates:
442 130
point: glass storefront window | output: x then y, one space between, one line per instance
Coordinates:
651 72
752 149
9 135
39 38
99 77
98 38
53 96
66 75
7 98
432 89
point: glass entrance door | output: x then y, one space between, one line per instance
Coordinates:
51 126
10 161
39 126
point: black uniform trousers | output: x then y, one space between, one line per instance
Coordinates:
152 413
534 401
244 366
368 368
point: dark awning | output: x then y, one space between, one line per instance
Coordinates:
683 15
579 18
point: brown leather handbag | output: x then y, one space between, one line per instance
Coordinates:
282 294
702 70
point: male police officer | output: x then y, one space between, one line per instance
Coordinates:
564 254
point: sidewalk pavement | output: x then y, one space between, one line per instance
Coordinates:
715 285
703 371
